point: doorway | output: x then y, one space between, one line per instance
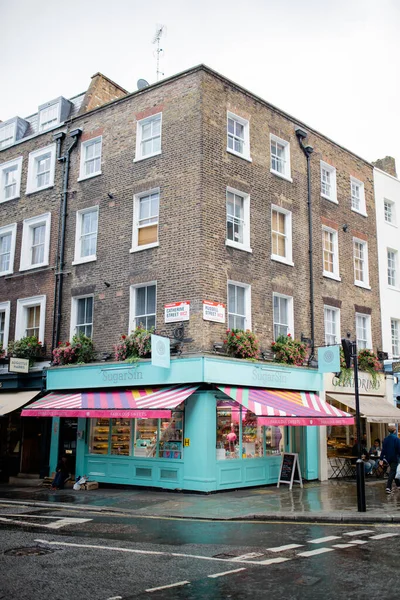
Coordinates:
67 441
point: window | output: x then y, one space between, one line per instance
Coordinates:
283 315
7 135
281 234
49 116
90 158
280 157
10 176
7 248
330 253
82 316
237 219
86 235
41 169
238 136
328 182
30 317
389 211
392 267
357 196
4 324
35 242
363 329
145 220
360 253
395 328
239 306
332 325
143 306
148 137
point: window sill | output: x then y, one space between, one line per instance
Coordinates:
145 157
281 175
8 199
282 259
359 212
4 273
390 287
31 191
361 284
82 261
248 158
386 223
29 267
331 276
144 247
333 200
238 246
83 178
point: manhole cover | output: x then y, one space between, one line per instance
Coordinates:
28 551
224 555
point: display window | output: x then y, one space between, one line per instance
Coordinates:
99 436
121 436
146 433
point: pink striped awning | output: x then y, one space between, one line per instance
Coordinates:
140 403
280 407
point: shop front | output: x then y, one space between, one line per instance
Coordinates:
205 424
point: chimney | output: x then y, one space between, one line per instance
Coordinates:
101 91
387 164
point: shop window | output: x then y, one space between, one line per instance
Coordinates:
171 436
100 432
121 436
145 442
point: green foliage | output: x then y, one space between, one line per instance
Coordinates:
242 344
80 350
288 350
134 346
27 347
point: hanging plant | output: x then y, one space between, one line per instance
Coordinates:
368 362
288 350
134 346
27 347
241 344
346 374
80 350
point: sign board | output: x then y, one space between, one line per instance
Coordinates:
213 311
329 359
186 442
290 470
19 365
160 351
176 311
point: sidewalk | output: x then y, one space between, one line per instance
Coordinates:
329 501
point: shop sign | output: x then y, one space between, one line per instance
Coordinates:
176 311
160 351
366 384
186 442
19 365
213 311
329 359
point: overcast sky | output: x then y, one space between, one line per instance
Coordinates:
333 64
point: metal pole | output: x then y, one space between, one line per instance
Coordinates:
360 472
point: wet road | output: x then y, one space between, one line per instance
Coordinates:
89 555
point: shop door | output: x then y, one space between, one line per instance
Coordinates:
298 444
31 446
67 447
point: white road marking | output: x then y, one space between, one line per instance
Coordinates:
362 532
58 523
164 587
283 548
226 573
328 538
358 542
115 598
248 556
273 561
342 545
382 536
315 552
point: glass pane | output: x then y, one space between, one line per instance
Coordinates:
156 127
151 299
99 434
121 436
171 436
81 312
144 207
140 301
231 126
231 298
147 148
146 131
156 144
228 416
240 300
145 441
252 436
274 440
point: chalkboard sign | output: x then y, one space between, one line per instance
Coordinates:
290 470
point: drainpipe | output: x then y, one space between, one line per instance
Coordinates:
308 150
65 159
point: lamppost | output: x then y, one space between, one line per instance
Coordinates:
350 352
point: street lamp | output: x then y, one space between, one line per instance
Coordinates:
350 352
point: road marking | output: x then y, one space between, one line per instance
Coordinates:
273 561
315 552
382 536
358 542
328 538
164 587
362 532
59 521
226 573
283 548
342 545
115 598
248 556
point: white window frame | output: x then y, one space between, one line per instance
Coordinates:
363 209
4 168
4 127
393 268
336 312
139 131
42 129
332 197
26 246
132 304
136 212
394 336
247 302
5 307
288 258
368 331
74 314
78 259
246 139
7 229
21 319
83 161
34 157
335 275
290 323
392 211
287 172
363 284
246 221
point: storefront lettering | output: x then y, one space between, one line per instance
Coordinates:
270 377
363 383
123 376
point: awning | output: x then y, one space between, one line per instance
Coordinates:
14 400
140 403
279 407
373 408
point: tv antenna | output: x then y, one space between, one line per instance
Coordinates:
156 40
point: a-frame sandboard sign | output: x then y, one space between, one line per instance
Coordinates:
290 470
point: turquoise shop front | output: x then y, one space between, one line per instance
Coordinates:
190 427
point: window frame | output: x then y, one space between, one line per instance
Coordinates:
394 268
332 171
246 139
4 127
290 312
133 301
8 166
368 331
5 231
247 302
288 258
83 160
6 308
357 282
21 317
336 312
74 314
34 158
136 212
245 245
78 259
392 205
139 136
393 339
363 209
26 244
53 125
336 273
287 172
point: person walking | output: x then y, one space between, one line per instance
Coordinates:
391 454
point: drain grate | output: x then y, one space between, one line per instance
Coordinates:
28 551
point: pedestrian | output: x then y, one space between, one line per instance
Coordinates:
391 454
62 474
364 456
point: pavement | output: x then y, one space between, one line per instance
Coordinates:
328 501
